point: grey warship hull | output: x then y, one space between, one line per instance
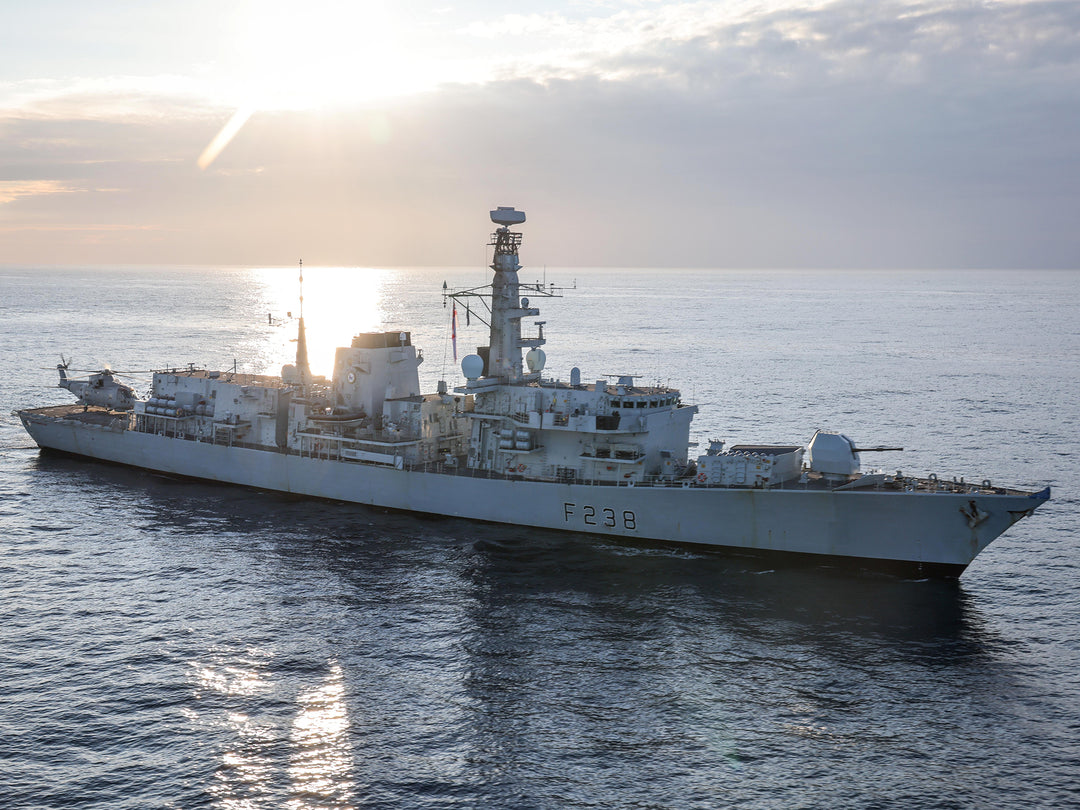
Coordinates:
919 528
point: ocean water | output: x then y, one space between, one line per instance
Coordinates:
171 644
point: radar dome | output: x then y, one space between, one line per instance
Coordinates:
535 359
472 366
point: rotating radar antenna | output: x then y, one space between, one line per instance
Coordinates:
507 215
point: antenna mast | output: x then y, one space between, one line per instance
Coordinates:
302 367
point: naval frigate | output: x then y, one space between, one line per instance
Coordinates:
511 445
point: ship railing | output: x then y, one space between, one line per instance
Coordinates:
564 476
174 429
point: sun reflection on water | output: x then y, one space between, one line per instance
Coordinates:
321 763
300 758
228 680
339 302
229 686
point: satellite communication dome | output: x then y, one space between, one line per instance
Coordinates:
472 366
506 215
536 359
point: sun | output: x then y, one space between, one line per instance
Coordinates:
339 302
316 53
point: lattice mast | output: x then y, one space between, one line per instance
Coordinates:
507 308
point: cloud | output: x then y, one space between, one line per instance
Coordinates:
11 190
841 135
96 230
106 98
896 43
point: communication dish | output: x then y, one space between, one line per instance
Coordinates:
506 215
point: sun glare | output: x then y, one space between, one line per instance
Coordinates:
303 55
291 55
221 140
339 302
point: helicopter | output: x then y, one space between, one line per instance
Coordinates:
100 389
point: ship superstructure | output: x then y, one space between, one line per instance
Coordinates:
510 445
524 424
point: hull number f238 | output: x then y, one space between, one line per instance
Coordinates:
599 516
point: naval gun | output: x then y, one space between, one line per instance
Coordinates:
834 455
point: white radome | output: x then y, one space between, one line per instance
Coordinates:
535 359
472 366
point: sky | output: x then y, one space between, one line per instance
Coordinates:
641 133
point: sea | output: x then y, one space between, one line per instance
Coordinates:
167 643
